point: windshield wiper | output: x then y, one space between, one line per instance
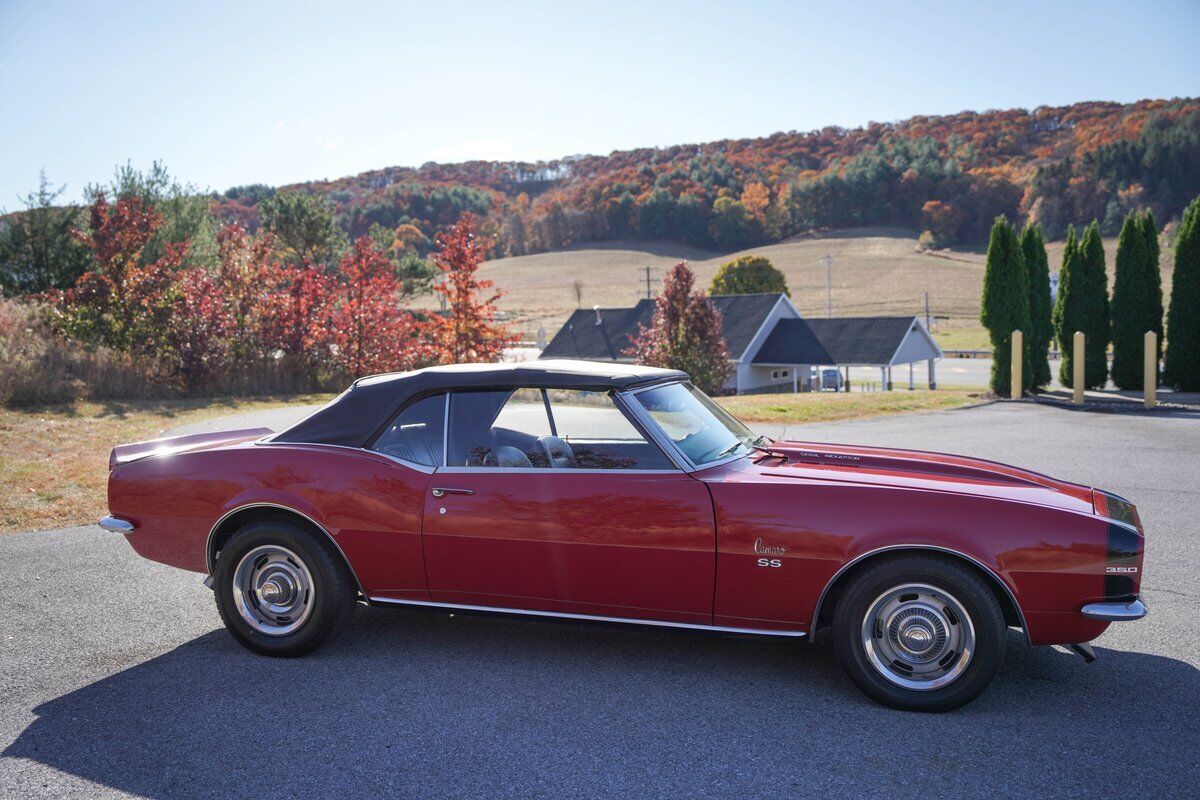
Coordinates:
729 450
766 449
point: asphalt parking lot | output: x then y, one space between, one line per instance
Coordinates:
117 679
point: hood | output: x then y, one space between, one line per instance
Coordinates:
922 469
125 453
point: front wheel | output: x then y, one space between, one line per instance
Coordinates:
919 633
281 590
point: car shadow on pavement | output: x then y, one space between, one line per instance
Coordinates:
409 703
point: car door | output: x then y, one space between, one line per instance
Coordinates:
553 500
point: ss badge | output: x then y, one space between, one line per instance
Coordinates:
770 562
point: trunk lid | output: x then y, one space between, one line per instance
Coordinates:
125 453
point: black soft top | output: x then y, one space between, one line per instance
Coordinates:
352 418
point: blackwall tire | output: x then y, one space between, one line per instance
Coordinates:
919 633
281 590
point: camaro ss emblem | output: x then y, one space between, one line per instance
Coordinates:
1120 570
763 549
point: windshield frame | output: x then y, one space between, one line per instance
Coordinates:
629 397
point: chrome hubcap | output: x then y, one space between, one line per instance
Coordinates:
273 590
918 636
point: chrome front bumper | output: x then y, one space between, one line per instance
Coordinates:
1116 612
117 525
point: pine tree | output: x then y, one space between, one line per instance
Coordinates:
1005 305
1136 302
1154 274
1065 323
1182 368
1083 306
1096 316
1041 326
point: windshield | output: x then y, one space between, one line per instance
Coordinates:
703 430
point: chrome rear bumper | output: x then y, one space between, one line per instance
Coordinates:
1116 612
116 524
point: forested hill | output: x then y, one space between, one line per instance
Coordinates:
947 176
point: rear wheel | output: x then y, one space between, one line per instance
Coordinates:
919 633
281 590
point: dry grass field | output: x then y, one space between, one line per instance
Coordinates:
876 271
55 466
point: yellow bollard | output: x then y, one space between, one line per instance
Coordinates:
1077 372
1018 358
1150 371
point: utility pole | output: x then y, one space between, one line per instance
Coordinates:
927 311
828 262
647 279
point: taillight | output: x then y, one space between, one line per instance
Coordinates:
1123 564
1116 508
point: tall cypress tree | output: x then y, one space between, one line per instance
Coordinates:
1064 316
1132 304
1093 298
1041 327
1154 275
1005 304
1182 368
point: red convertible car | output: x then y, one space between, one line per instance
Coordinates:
617 493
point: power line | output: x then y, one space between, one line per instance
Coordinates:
647 280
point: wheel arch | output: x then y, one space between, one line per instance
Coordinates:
829 596
235 518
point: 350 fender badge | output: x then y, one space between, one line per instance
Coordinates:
1120 570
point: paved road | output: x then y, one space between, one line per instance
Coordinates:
116 678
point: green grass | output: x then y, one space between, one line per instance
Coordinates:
797 409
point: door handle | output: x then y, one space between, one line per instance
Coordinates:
442 492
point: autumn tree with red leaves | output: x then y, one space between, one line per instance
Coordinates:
106 305
160 312
369 331
292 316
685 333
467 331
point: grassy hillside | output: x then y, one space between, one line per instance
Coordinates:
876 271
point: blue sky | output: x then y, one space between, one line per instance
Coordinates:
228 93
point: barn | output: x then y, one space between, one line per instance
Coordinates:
771 346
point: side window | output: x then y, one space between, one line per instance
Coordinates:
497 429
417 434
551 428
590 432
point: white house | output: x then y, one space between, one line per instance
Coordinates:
770 345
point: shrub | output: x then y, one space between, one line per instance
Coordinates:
748 275
1182 368
1005 305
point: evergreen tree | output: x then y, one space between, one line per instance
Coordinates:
1182 367
38 248
1154 272
1005 305
1136 302
1041 326
1065 322
1088 301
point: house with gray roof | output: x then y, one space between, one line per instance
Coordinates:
771 346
